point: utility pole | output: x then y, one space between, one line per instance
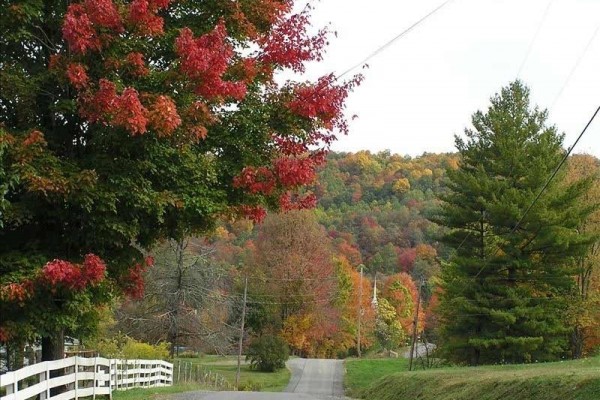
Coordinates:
237 375
414 332
360 311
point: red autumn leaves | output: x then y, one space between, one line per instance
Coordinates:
127 111
88 26
205 60
133 282
287 172
93 24
136 65
61 274
124 110
77 75
289 46
78 30
323 101
294 169
208 66
142 15
73 276
58 274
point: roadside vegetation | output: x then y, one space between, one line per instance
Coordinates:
250 378
225 366
564 380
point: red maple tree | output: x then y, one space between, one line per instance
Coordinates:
163 116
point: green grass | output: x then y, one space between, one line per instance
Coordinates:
569 380
360 373
227 367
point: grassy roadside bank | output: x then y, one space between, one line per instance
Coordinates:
576 380
360 373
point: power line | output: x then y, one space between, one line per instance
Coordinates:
537 31
469 233
572 72
560 164
567 154
390 42
516 279
499 298
463 241
300 278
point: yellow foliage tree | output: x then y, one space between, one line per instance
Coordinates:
401 186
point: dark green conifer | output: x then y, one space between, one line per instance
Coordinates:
507 283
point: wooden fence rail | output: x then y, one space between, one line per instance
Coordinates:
83 377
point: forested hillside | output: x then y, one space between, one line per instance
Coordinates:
375 207
303 267
372 211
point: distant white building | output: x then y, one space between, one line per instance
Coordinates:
374 300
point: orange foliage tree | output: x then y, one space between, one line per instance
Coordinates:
401 292
353 301
295 262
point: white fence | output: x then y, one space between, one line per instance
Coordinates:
82 377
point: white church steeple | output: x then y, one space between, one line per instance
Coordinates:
374 300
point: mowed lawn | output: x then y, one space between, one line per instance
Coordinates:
226 366
374 380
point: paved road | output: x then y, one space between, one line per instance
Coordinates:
323 379
312 379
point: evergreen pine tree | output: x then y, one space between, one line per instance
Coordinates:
506 286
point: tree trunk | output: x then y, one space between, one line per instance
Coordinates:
577 341
19 355
53 348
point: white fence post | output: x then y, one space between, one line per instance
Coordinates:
46 394
110 374
95 378
76 380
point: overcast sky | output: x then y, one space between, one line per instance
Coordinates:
422 89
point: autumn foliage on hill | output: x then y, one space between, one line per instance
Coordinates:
365 210
328 245
406 247
125 122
